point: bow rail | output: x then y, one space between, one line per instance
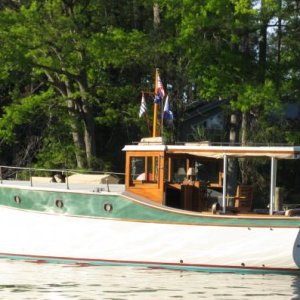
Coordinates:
96 181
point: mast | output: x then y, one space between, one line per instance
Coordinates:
155 112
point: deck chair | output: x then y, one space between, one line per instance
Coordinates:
244 197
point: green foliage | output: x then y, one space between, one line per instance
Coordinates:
198 133
23 112
264 97
293 137
264 133
56 153
71 66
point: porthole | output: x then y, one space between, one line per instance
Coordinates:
17 199
59 203
108 207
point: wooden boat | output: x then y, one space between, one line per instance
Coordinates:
160 219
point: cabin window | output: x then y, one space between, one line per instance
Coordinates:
196 169
137 167
179 170
207 171
144 169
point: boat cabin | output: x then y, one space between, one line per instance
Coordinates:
185 175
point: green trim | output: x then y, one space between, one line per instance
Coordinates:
123 208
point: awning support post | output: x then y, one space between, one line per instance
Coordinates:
273 183
224 183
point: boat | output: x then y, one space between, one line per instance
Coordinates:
172 211
165 215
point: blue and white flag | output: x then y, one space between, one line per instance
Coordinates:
167 113
143 107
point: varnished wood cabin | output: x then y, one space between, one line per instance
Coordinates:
171 176
179 175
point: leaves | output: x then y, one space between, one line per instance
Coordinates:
71 68
23 112
264 97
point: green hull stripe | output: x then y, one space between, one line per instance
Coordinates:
92 205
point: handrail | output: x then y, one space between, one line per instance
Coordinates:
12 172
61 170
248 144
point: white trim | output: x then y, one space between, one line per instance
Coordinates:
283 152
145 148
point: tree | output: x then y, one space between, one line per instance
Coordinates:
224 46
90 59
74 47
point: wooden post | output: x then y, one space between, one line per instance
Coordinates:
224 183
155 113
155 119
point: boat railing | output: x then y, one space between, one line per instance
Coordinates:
221 144
96 181
237 144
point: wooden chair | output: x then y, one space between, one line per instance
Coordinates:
244 197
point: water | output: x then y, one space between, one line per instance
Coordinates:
25 280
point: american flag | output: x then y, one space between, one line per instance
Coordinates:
160 88
143 107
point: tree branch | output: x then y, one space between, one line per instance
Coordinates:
56 70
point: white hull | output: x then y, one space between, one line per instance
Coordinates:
41 235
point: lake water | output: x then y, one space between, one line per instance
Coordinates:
25 280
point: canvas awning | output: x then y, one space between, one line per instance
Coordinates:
218 152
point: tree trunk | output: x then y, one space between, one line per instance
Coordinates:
89 126
89 136
263 43
232 165
76 135
243 162
65 90
245 121
76 130
279 41
156 16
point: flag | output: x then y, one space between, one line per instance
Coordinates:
157 99
143 107
160 88
167 113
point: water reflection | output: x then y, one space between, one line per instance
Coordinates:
24 280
